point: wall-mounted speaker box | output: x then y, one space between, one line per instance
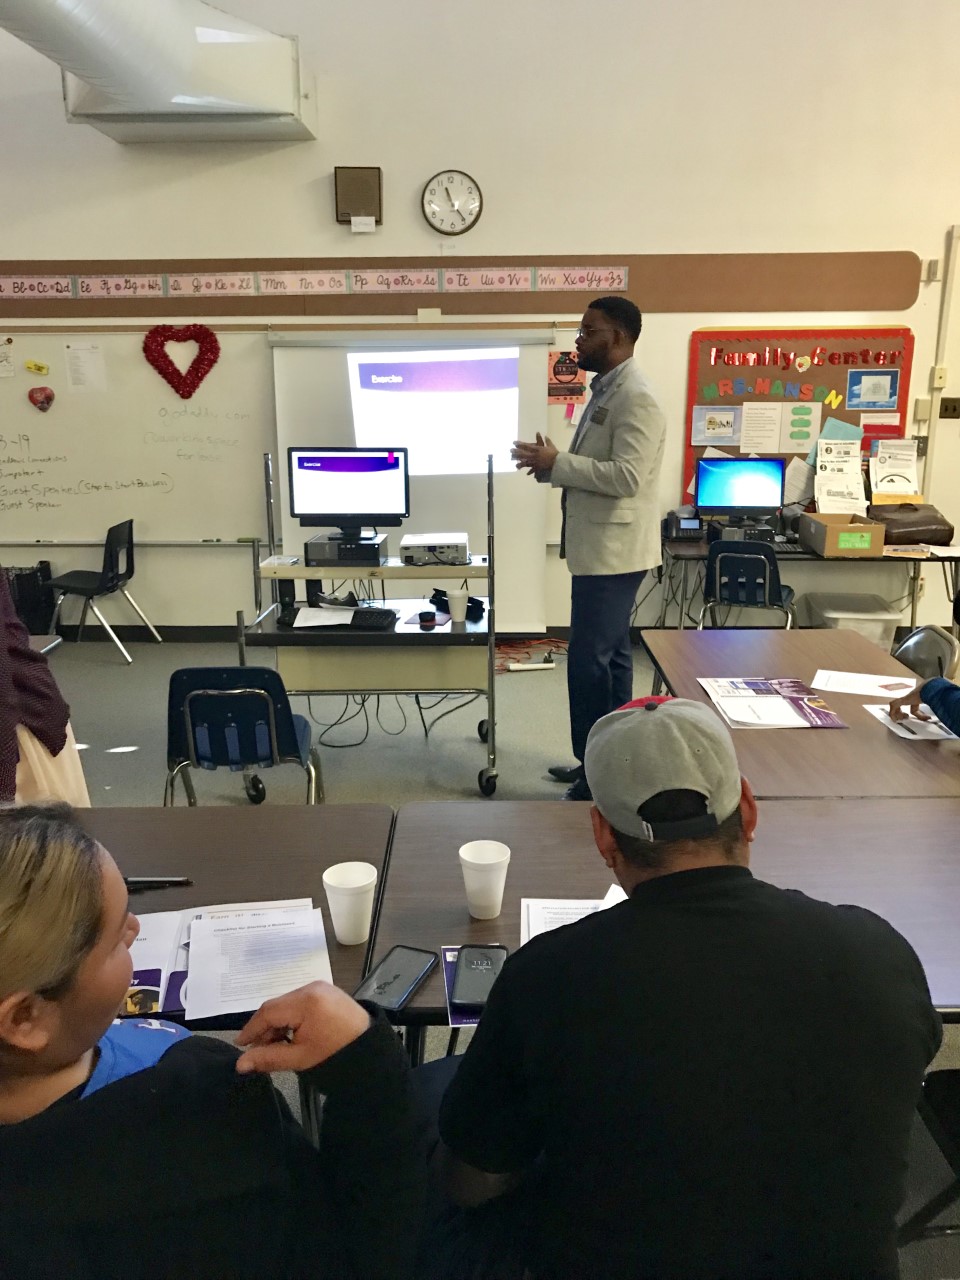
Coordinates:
358 193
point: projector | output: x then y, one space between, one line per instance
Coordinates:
434 548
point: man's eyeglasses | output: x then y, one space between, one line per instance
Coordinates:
587 330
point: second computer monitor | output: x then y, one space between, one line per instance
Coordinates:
750 487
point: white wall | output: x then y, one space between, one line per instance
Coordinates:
607 129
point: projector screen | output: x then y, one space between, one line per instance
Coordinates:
449 408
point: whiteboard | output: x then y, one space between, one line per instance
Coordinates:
126 445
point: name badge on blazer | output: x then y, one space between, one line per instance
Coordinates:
599 416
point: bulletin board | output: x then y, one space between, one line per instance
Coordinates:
768 392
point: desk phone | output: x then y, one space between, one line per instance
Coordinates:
680 528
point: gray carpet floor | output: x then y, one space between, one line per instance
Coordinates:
378 752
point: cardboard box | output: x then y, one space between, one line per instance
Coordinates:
841 536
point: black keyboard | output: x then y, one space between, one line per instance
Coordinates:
371 619
790 549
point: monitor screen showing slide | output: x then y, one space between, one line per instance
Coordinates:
449 408
348 487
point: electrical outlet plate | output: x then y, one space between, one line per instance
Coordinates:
950 407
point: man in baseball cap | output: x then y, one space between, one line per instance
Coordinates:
716 1077
665 773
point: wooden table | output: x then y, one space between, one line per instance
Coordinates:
865 759
424 904
896 857
238 854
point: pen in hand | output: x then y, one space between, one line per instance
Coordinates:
138 884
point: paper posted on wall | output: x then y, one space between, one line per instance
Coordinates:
894 468
838 485
798 483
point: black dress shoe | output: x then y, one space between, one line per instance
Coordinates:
579 791
565 772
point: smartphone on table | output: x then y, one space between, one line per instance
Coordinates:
478 968
396 977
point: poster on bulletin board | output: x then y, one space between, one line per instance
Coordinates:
769 392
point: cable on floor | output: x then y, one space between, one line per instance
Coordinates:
341 720
392 733
449 711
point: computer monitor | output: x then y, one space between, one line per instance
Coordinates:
349 488
739 487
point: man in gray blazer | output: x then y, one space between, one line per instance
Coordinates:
611 517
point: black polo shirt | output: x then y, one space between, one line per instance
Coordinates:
717 1079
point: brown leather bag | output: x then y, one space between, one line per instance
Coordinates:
908 523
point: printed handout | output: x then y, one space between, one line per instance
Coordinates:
838 485
164 955
238 959
715 426
152 954
540 915
911 728
800 426
865 686
327 616
894 469
770 704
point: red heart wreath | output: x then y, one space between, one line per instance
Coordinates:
154 348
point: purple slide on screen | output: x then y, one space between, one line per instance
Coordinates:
455 406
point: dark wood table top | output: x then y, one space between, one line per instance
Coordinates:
406 631
237 854
866 759
699 549
896 857
424 904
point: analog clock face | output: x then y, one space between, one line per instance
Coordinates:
452 202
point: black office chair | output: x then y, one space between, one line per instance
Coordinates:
111 578
744 575
238 718
939 1109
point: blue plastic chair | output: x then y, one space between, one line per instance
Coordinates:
238 718
744 575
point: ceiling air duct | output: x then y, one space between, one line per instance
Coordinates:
168 70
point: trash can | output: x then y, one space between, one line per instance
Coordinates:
871 616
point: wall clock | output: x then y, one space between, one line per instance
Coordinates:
452 202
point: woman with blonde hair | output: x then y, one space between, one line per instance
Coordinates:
133 1148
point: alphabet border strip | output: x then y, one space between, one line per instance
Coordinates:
350 281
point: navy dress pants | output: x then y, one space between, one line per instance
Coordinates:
599 656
